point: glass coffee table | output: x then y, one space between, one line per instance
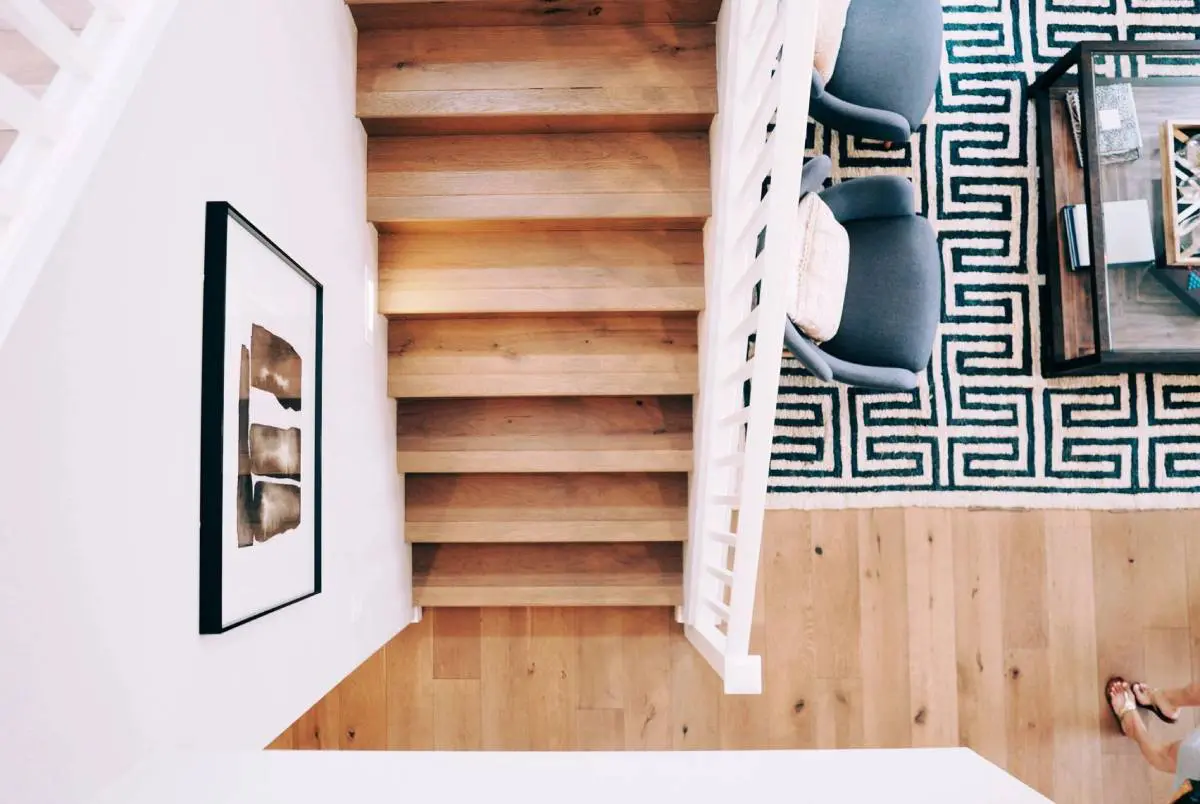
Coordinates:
1119 152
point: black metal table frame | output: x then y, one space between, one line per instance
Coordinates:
1104 359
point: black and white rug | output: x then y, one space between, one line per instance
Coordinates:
986 429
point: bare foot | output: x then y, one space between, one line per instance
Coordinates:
1155 701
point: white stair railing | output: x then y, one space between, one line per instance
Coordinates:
765 56
60 129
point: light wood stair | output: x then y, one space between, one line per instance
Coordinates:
554 434
473 80
538 171
431 273
503 508
566 180
602 355
599 574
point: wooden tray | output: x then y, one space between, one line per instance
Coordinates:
1181 216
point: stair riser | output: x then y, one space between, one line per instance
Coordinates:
405 14
543 462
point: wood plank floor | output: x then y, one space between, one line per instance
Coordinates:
894 628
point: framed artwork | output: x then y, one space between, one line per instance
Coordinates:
260 426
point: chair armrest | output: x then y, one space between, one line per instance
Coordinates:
861 121
873 377
831 369
814 173
806 352
870 197
818 85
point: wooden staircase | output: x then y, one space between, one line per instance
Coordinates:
539 176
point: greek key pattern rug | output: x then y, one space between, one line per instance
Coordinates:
986 429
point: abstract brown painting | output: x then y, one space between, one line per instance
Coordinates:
268 508
277 367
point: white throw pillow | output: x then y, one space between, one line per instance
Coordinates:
821 272
831 24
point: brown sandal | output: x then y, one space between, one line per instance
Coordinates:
1152 706
1130 704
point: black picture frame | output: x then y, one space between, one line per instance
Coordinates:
214 430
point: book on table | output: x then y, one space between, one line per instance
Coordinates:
1128 234
1118 131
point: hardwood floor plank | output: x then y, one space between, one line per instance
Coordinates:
320 727
1023 571
456 643
1030 718
1074 672
695 698
601 659
409 705
505 691
835 594
837 713
647 657
979 632
457 715
1126 780
362 705
790 591
1161 568
933 674
600 730
1120 616
553 678
887 718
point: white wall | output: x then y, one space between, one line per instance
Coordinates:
250 101
905 776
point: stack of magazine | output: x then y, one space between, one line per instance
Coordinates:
1119 135
1128 234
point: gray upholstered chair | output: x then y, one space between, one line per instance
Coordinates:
886 71
893 291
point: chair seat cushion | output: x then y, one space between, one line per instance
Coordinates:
819 290
890 56
893 294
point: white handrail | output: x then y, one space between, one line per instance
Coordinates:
765 56
51 35
61 133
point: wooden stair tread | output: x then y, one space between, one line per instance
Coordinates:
528 272
602 355
538 176
492 80
544 434
548 574
376 14
627 507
